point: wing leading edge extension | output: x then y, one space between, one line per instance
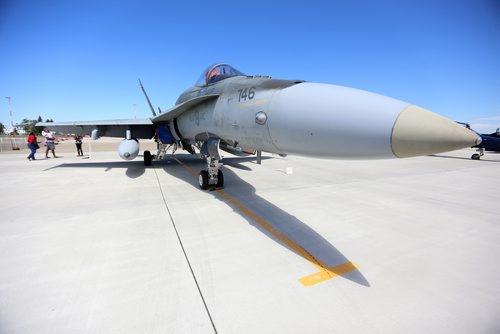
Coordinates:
180 108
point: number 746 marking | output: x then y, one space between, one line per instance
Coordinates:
246 94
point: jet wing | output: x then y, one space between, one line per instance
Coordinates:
140 128
184 106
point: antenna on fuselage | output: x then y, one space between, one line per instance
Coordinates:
147 98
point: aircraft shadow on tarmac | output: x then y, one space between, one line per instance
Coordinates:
243 192
134 169
285 223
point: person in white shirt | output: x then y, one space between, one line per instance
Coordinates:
49 142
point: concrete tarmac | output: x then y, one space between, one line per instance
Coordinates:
295 245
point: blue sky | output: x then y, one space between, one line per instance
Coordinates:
80 60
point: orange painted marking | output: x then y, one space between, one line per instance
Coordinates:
324 273
328 273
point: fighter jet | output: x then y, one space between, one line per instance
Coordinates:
489 142
241 114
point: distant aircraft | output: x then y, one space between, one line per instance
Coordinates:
242 114
489 142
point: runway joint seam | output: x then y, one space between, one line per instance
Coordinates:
184 251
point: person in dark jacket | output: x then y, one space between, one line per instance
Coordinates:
78 142
33 146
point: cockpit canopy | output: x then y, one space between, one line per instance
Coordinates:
217 72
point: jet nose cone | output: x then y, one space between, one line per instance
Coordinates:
418 131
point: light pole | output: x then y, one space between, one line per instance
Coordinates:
10 110
12 141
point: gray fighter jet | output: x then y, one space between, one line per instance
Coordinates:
228 110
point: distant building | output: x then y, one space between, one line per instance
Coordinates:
15 130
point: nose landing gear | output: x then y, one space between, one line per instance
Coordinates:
213 176
477 156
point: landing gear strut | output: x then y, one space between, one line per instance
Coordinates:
477 156
213 176
162 151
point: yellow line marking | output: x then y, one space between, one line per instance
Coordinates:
327 273
189 169
324 273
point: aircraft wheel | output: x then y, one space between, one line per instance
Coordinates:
220 179
148 158
203 180
475 156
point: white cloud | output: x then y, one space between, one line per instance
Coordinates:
484 127
487 124
492 118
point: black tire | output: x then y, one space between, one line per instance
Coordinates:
220 179
475 156
148 158
203 180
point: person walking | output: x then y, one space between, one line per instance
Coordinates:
33 146
78 143
49 142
